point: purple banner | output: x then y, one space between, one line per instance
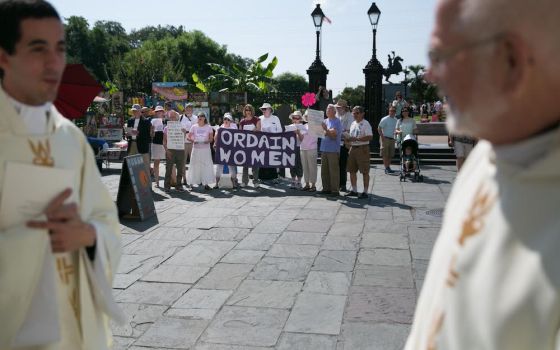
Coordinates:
255 149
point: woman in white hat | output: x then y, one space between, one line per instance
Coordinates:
297 171
227 124
308 150
158 151
201 170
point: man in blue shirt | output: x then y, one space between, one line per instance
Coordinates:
330 153
386 130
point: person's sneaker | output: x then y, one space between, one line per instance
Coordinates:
180 188
207 188
389 171
363 196
166 189
298 186
351 194
216 187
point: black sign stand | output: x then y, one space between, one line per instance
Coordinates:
134 199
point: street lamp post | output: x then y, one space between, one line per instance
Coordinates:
374 75
317 72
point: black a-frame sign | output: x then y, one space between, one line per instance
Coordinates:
134 199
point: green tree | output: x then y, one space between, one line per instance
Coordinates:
291 82
421 89
256 77
354 96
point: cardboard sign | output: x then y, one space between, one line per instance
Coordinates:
175 136
134 199
261 149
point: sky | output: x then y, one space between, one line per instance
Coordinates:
284 28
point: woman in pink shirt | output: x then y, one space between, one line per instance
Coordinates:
201 170
308 151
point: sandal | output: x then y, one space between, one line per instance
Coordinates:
312 189
306 188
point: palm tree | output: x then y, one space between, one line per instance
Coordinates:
255 77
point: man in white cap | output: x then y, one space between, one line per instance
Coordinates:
58 258
187 120
269 123
494 277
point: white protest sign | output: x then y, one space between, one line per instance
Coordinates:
175 136
315 122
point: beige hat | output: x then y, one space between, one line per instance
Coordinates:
341 103
265 106
159 109
228 116
298 113
136 107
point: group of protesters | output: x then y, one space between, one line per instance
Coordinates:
344 148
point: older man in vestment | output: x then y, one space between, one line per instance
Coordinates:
494 275
56 268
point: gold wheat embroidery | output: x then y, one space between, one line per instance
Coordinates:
434 331
42 153
475 219
453 275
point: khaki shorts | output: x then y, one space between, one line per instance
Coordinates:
462 149
358 159
387 147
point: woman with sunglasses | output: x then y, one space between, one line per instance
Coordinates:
250 123
406 125
297 171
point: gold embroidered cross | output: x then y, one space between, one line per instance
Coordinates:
473 223
65 270
42 153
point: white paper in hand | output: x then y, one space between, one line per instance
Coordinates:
28 189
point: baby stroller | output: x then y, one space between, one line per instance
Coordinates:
410 162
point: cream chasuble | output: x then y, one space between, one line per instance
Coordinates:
494 276
55 301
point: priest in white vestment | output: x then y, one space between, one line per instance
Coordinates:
57 266
494 276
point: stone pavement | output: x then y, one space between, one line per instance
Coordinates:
279 269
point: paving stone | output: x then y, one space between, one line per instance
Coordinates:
380 304
192 314
192 222
211 346
340 243
246 326
317 214
201 253
128 238
139 318
311 238
239 221
348 229
385 240
382 226
260 293
350 217
176 274
335 283
202 299
379 336
282 269
257 242
239 256
419 268
376 214
381 275
316 313
129 263
122 343
296 202
225 276
387 257
295 341
125 280
223 234
308 225
185 235
293 251
173 333
276 222
335 260
152 293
